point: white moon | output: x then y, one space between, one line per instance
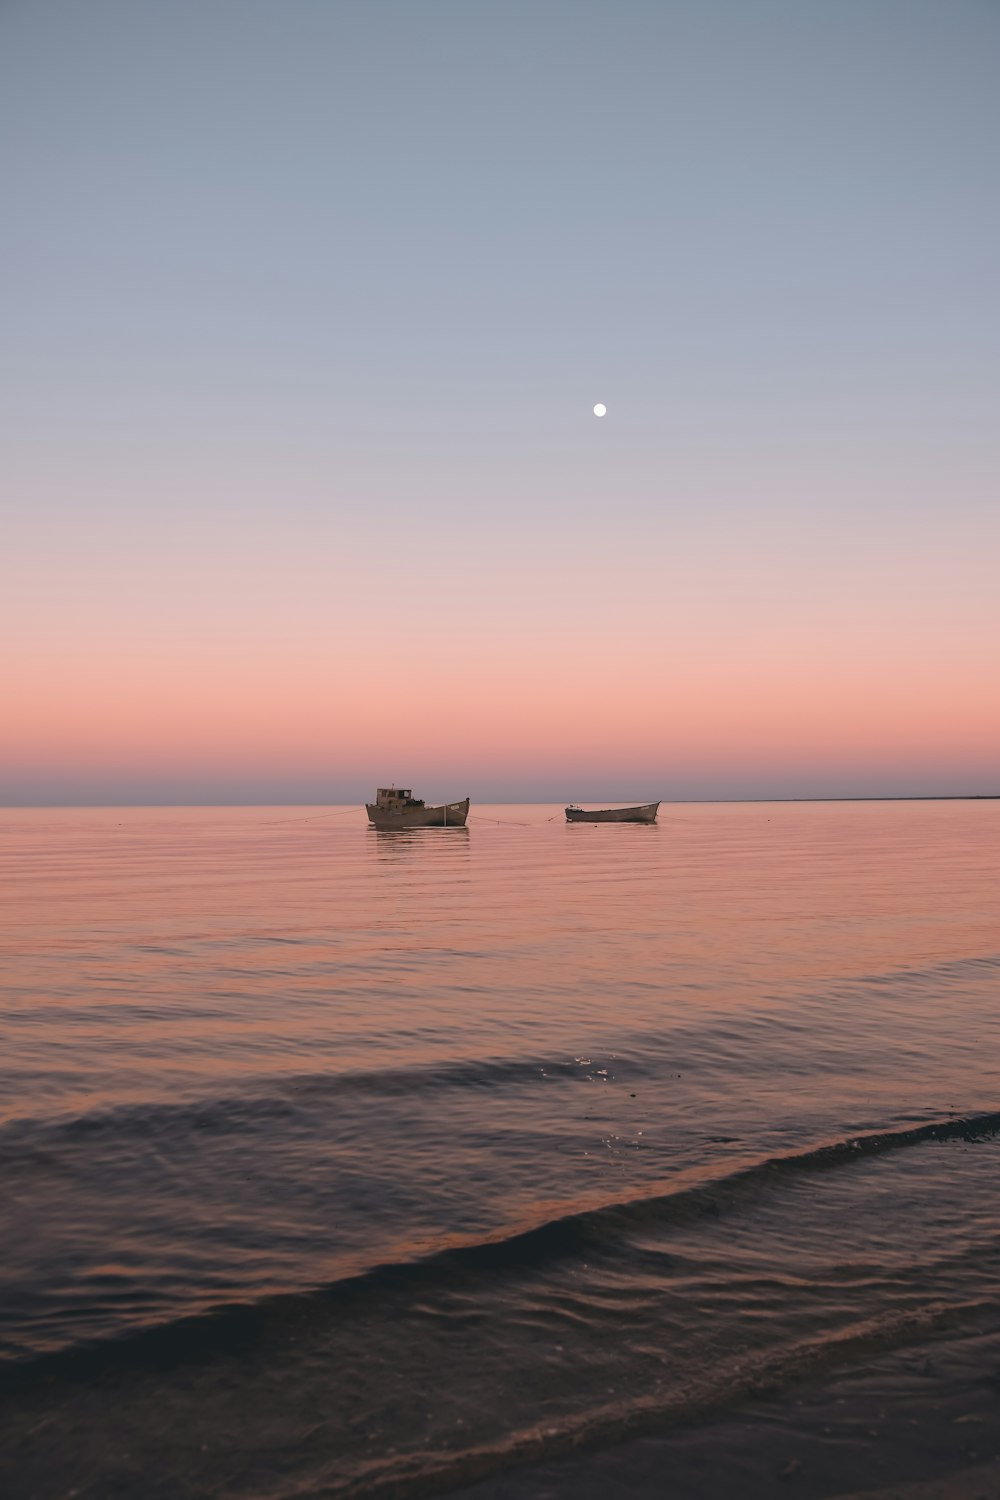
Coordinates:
600 409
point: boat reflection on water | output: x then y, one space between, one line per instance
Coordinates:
421 852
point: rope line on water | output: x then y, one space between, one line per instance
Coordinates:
343 812
512 823
501 822
338 812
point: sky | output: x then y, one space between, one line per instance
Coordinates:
305 309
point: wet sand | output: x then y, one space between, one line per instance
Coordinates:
918 1424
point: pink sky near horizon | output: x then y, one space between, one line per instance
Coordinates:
701 675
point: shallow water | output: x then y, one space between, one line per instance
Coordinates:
391 1160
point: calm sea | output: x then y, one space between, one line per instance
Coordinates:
373 1164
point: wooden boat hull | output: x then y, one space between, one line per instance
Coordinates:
449 815
644 814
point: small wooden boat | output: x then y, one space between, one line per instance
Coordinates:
644 814
400 809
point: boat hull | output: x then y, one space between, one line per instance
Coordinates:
449 815
644 814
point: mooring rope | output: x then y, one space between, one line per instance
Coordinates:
513 823
338 812
500 822
343 812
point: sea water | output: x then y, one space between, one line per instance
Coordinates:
366 1163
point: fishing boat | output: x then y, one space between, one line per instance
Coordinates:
394 808
644 814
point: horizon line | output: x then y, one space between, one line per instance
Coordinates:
521 802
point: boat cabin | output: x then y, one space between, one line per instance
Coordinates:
395 800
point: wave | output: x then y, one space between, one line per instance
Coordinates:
284 1099
264 1101
421 1473
950 969
586 1232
